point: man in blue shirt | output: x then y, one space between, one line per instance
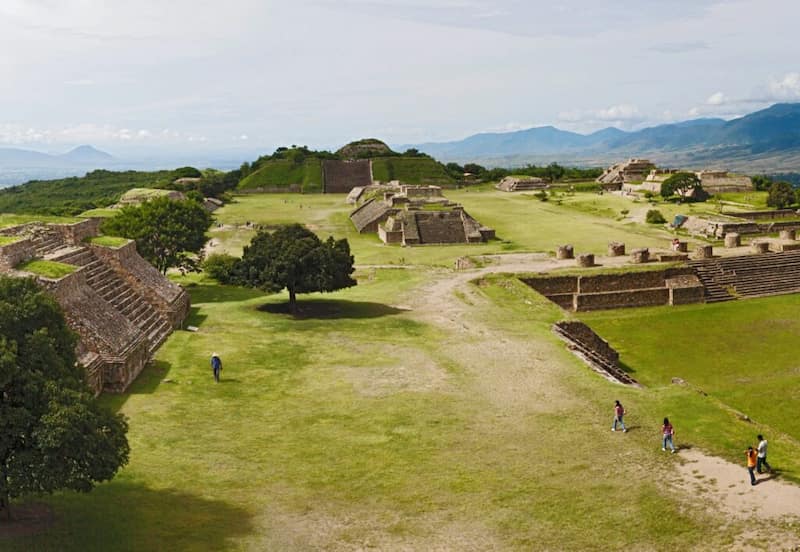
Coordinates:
216 366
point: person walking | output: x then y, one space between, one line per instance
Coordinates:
619 412
667 434
762 456
216 366
751 464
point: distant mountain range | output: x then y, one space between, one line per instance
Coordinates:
77 157
763 141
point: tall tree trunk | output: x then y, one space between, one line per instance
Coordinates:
5 501
292 301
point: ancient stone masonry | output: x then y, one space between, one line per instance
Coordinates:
726 278
673 286
418 215
122 308
521 184
630 170
594 350
340 177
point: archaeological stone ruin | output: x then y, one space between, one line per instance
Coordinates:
121 307
417 215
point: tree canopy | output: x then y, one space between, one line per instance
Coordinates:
168 233
781 195
681 184
53 433
294 258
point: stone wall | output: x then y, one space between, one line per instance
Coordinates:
584 335
593 349
75 233
15 253
622 299
550 285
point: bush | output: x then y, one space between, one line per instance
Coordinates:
648 194
781 195
624 212
654 216
541 195
220 267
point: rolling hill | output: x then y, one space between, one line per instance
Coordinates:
766 140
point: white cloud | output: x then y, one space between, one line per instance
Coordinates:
622 116
717 98
787 88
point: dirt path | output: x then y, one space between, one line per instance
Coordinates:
526 377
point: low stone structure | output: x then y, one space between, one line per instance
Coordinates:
630 170
673 286
639 256
564 252
727 278
759 247
521 184
789 234
616 249
586 260
594 350
418 215
704 252
121 307
732 240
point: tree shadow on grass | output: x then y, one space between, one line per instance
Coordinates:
153 375
128 516
332 308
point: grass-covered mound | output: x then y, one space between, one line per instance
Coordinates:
48 269
283 174
410 170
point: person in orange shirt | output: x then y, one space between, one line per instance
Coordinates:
752 458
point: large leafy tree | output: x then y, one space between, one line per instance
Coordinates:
168 233
294 258
682 184
781 195
53 433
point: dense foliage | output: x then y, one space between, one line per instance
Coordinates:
552 172
781 195
73 195
684 185
654 216
53 433
168 233
294 258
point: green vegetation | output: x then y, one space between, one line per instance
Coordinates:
741 353
294 258
781 195
54 433
410 170
48 269
654 216
71 196
7 219
109 241
168 233
424 406
143 194
282 173
5 240
100 213
683 185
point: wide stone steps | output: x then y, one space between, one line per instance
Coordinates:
750 275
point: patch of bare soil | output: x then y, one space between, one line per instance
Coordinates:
772 506
26 519
350 531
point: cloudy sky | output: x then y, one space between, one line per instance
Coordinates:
180 75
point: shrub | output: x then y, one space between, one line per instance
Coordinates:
220 267
654 216
648 194
624 212
541 195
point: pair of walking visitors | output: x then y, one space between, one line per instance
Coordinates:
757 460
667 431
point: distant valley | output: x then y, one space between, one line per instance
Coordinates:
765 141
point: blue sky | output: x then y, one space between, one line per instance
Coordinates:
249 75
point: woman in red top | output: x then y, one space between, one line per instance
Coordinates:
619 411
667 432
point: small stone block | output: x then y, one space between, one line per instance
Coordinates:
565 252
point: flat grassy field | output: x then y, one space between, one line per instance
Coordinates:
742 353
523 224
424 409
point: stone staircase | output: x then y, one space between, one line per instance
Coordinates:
605 363
749 275
116 291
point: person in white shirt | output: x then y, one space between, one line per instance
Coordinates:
762 455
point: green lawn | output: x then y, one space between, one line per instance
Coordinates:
523 224
48 269
8 219
742 353
361 423
109 241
